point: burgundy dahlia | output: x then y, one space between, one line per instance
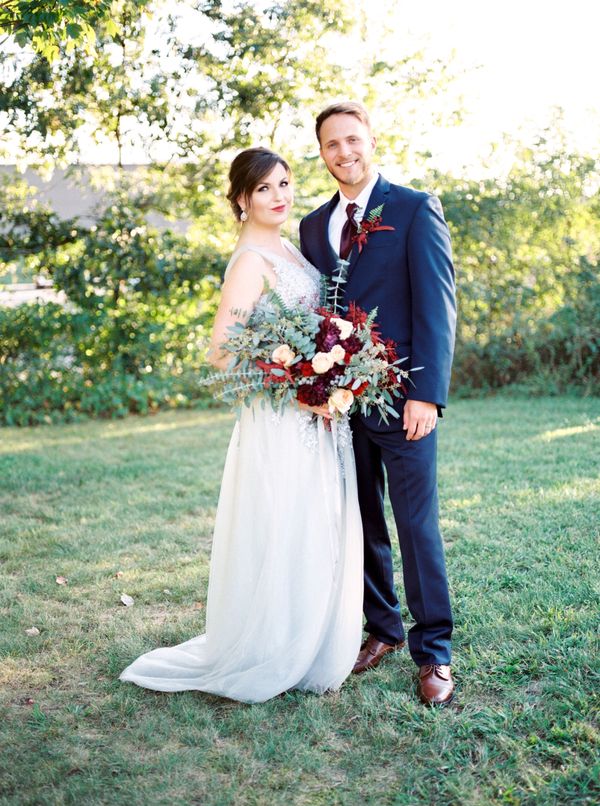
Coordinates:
313 394
352 344
327 337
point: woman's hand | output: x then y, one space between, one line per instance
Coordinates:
321 411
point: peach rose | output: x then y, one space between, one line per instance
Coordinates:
322 362
338 354
283 355
345 327
340 400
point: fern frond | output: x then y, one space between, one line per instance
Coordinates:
375 213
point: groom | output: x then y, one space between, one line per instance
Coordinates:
407 273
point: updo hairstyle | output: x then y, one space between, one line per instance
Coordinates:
247 171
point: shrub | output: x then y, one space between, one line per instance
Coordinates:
131 337
555 354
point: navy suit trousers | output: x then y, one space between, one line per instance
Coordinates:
410 467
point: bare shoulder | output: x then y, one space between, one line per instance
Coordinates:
250 267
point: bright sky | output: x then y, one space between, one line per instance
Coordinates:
531 55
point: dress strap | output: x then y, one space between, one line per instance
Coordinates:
294 251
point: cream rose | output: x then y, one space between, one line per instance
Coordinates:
338 354
283 355
340 400
322 362
345 327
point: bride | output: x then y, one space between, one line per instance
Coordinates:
284 607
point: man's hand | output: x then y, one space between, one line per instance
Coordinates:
420 419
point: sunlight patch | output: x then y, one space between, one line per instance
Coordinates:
559 433
577 489
16 674
463 503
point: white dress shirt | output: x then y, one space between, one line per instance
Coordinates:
338 216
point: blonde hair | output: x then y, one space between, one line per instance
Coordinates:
344 108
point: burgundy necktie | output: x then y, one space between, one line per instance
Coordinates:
349 230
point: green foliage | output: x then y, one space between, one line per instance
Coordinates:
27 227
548 355
526 253
121 258
51 25
118 85
132 335
45 25
244 81
259 63
56 364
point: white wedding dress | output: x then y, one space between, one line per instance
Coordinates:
284 608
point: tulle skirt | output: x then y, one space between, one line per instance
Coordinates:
284 607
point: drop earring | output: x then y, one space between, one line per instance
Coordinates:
243 216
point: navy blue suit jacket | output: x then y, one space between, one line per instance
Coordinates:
407 274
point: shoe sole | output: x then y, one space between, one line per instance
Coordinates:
433 704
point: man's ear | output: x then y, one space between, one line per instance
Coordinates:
373 142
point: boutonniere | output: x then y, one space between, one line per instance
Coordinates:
371 223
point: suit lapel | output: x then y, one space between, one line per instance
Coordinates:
378 196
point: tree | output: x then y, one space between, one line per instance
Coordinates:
107 93
526 253
28 228
48 25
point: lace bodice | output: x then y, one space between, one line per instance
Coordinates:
296 284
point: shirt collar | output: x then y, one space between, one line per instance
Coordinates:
362 199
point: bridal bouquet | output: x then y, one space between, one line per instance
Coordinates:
326 356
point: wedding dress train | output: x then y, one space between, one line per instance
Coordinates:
284 606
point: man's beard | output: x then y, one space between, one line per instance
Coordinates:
356 179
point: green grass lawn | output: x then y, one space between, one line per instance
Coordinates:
128 506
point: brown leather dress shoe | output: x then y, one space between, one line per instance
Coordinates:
371 653
436 686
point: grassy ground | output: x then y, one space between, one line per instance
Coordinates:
127 507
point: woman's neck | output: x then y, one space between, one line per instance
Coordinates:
268 237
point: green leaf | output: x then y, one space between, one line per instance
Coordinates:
74 30
111 27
